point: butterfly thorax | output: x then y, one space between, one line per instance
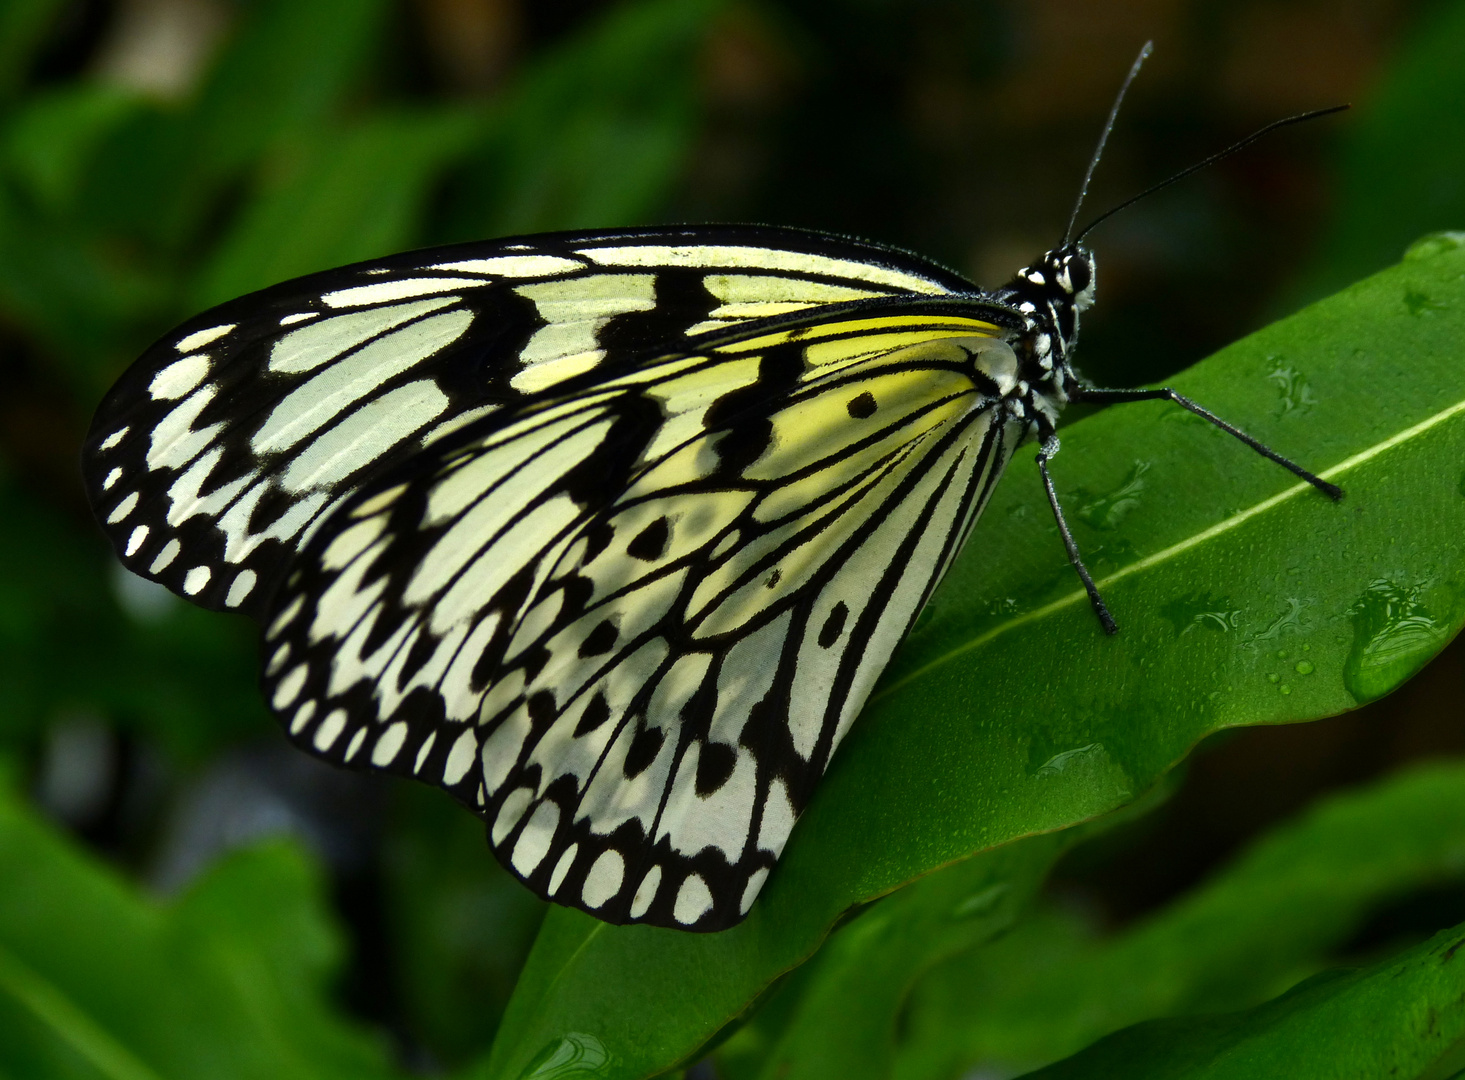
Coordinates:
1049 295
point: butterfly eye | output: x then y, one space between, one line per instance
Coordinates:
1079 274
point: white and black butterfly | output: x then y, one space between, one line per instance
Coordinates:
608 534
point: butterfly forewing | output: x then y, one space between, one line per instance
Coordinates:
628 624
224 446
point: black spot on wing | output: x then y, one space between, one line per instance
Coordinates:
597 538
649 544
600 640
533 661
423 650
861 406
577 592
645 745
714 765
744 444
477 367
608 469
597 712
833 625
542 710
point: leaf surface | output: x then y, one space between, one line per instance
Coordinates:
1398 1018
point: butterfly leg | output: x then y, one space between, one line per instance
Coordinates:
1114 397
1049 448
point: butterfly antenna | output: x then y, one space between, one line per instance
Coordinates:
1253 137
1144 53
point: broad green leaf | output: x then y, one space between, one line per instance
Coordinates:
842 1021
289 67
838 1015
1271 918
1243 597
353 195
226 983
71 294
1402 1018
66 289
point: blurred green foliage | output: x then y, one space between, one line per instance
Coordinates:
308 141
1402 171
227 981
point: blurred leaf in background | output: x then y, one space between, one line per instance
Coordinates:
1401 172
230 980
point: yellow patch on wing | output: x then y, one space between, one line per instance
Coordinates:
823 427
831 341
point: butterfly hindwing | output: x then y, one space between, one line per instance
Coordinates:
628 625
224 446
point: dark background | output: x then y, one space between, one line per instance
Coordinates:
158 156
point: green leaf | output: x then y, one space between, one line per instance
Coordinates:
842 1021
226 983
1403 155
1397 1018
352 195
71 295
839 1015
460 924
1268 920
595 133
289 67
284 73
1242 596
50 140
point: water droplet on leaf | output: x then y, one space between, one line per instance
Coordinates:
1107 511
1295 391
574 1054
1394 635
1205 610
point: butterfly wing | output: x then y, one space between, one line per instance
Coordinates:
629 626
218 452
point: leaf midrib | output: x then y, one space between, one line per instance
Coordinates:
1174 550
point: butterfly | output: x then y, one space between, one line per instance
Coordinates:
608 534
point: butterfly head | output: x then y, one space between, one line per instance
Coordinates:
1049 294
1062 279
1073 269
